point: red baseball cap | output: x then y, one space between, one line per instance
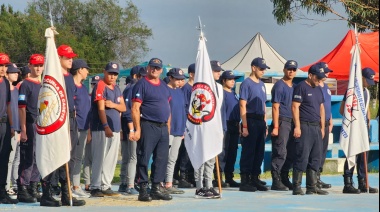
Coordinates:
36 59
67 51
4 59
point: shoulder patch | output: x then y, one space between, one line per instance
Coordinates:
21 97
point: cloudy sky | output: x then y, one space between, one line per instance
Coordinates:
229 25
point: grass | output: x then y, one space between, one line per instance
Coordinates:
374 110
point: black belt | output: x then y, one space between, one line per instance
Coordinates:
255 116
71 114
4 119
233 123
327 123
286 119
158 124
310 123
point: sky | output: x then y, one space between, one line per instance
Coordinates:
228 26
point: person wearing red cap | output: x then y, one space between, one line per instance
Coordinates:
28 174
6 129
66 55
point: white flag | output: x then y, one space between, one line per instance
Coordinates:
354 134
52 137
204 133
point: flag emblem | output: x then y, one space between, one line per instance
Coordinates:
203 104
53 106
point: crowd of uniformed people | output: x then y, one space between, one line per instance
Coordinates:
148 119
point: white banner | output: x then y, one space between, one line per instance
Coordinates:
354 133
52 137
204 133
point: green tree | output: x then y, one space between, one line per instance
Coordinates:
98 30
363 13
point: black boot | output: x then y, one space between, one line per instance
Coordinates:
143 193
65 196
215 182
363 187
311 183
255 181
183 183
230 180
23 194
4 197
32 189
320 183
285 179
297 181
47 198
276 182
245 183
348 186
157 194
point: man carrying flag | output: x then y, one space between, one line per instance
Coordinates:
52 138
351 104
204 133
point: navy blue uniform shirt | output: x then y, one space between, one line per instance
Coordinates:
82 102
327 96
103 92
255 95
310 99
232 108
71 90
283 94
5 96
177 106
28 98
187 88
154 99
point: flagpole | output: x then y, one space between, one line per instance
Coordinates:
200 28
364 153
67 164
218 174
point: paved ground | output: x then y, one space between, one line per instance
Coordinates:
233 200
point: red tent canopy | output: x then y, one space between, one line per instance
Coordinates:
339 59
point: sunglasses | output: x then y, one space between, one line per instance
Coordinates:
155 68
292 69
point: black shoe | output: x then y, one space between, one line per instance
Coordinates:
47 199
223 184
175 182
4 197
65 196
97 193
297 181
109 192
256 182
23 194
320 183
363 187
203 193
311 183
215 193
123 187
245 183
230 180
277 185
143 193
32 189
157 193
285 179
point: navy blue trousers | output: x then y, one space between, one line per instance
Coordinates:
308 148
325 145
253 147
283 150
27 170
154 140
227 158
5 150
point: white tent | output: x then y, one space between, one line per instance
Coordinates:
258 47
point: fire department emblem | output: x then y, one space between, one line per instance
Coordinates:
202 104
